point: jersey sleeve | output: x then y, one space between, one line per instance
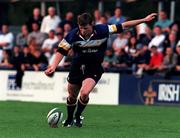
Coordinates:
115 28
66 43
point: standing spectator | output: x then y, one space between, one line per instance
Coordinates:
48 44
51 21
35 18
21 39
6 40
163 21
117 18
36 34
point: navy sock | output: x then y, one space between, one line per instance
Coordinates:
71 105
80 107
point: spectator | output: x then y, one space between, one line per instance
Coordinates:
68 20
6 62
169 63
117 18
67 28
97 17
158 39
119 43
50 22
103 20
39 61
178 58
35 18
48 44
109 59
156 61
37 35
21 39
170 41
163 21
6 40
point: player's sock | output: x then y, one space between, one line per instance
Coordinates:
81 106
71 105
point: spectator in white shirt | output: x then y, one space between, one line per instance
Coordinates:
50 22
47 46
158 39
6 40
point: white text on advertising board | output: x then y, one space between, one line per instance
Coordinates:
168 92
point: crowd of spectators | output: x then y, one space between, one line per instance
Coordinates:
137 50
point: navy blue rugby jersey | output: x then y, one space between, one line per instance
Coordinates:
92 50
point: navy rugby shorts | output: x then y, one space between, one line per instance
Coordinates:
78 73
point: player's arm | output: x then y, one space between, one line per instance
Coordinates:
62 51
131 23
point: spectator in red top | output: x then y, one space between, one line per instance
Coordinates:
155 61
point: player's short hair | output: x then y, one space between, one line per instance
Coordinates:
84 19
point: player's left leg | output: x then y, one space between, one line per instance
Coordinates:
87 86
73 91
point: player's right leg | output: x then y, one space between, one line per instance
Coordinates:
73 91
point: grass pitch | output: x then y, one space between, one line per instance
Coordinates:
28 120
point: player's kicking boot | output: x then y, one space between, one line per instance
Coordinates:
67 123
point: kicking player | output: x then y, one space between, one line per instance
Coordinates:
88 43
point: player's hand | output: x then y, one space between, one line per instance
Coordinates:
50 70
150 17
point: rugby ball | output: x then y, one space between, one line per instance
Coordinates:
54 117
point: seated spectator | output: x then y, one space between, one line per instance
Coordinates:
48 44
175 28
142 59
158 39
178 58
109 59
122 62
103 20
169 63
67 28
37 35
39 61
119 43
117 18
7 62
6 40
156 61
97 16
170 41
68 20
27 58
21 39
32 46
163 21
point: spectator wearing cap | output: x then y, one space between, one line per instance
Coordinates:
48 44
50 22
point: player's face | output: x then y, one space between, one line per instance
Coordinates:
86 30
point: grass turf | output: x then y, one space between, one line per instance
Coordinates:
28 120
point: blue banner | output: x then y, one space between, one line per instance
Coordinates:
150 90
